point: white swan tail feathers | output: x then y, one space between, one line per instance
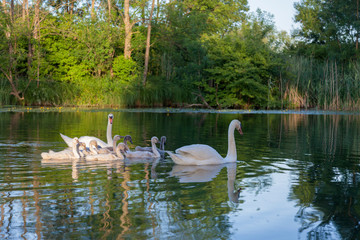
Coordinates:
45 155
66 139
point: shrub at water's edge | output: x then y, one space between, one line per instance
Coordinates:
98 92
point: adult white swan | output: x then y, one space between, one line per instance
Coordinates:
200 154
87 139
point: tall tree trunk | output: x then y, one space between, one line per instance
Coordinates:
36 20
128 30
37 38
30 46
109 9
112 51
72 8
12 10
92 9
147 51
24 10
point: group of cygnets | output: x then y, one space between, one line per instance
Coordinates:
92 148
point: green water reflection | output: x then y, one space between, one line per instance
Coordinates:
298 175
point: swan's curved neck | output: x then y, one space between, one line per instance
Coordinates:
93 149
118 152
231 155
162 144
154 149
108 133
114 145
76 151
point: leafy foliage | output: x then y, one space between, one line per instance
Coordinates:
208 53
125 69
241 66
331 27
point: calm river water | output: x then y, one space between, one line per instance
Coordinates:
298 175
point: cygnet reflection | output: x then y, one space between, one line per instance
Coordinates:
154 162
77 164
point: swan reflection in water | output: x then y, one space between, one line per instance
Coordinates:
206 173
118 165
185 174
77 164
154 162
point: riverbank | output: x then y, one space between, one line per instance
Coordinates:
172 110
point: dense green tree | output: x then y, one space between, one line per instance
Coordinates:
330 28
242 65
186 26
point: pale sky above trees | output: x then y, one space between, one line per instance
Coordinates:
283 11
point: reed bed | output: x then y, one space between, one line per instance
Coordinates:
328 85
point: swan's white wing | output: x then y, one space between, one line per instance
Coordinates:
196 154
84 139
67 140
198 151
87 139
188 159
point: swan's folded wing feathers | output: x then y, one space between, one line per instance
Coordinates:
87 139
198 151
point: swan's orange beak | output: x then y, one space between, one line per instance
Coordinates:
110 119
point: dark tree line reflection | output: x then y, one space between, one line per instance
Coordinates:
327 184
